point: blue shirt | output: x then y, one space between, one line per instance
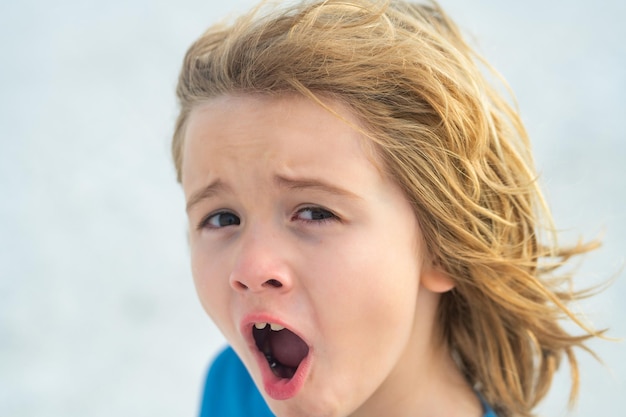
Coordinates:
230 392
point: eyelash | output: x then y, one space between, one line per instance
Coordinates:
327 216
330 215
204 223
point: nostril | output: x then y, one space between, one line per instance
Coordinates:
240 285
274 283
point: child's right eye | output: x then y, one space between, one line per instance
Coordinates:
219 220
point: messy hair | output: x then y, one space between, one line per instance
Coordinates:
455 146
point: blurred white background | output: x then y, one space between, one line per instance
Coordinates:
98 315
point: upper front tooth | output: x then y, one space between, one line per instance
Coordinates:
276 327
260 326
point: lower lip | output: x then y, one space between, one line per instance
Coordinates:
283 388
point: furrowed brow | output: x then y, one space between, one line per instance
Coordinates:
313 184
206 192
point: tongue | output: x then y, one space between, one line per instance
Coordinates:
288 348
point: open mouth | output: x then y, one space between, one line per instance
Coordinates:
283 349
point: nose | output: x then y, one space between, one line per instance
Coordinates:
261 265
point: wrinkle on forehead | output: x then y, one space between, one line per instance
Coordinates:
334 107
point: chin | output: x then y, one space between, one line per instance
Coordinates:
302 408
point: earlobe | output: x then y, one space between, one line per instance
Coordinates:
435 279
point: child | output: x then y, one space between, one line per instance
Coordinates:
365 219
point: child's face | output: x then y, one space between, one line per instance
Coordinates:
292 223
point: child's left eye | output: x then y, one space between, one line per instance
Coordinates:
314 214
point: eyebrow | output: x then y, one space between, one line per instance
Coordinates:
314 184
295 184
206 192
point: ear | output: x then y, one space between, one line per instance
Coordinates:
435 279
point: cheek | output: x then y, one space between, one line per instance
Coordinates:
211 284
367 283
365 303
385 267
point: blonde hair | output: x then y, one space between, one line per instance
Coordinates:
454 145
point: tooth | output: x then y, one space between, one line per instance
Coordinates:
260 326
276 327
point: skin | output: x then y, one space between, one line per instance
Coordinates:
337 256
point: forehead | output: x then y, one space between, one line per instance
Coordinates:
238 126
